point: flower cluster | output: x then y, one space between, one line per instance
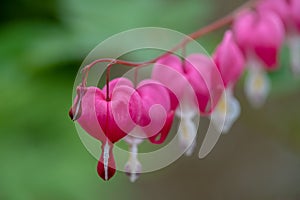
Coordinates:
188 87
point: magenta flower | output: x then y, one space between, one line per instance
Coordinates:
96 116
229 60
260 36
157 114
192 82
294 38
295 10
146 109
154 123
230 63
288 11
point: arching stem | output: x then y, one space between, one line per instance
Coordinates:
224 21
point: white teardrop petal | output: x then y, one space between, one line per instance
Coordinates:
226 112
133 167
257 86
186 135
294 46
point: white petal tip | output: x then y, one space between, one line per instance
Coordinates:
133 178
294 45
257 87
186 135
190 150
226 113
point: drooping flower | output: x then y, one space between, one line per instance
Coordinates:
260 36
288 11
192 83
157 114
294 39
154 123
95 114
146 108
230 63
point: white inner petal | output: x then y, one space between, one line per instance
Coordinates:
105 159
257 86
226 112
133 166
186 134
136 136
294 46
188 106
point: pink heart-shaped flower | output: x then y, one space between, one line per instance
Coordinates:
195 82
260 34
157 114
106 120
229 60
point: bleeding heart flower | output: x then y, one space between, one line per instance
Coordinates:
106 120
193 84
230 62
293 38
279 7
260 36
288 11
154 123
295 10
157 114
146 108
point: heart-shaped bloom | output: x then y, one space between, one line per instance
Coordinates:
106 120
154 123
279 7
293 36
192 82
260 36
288 11
146 108
230 62
157 114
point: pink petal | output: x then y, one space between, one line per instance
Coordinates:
116 83
205 80
156 105
88 119
279 7
168 71
229 60
295 12
260 34
163 133
115 116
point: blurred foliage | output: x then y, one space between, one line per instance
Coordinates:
42 44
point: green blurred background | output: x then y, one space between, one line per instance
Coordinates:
42 44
